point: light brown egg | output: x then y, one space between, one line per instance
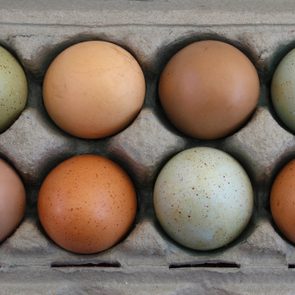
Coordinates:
209 89
282 201
93 89
12 200
87 204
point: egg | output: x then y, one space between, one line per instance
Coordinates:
87 204
12 200
203 198
13 89
209 89
93 89
283 90
282 201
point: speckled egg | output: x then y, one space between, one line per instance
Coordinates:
203 198
13 89
87 204
12 200
282 201
283 90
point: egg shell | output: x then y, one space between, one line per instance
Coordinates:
283 90
203 198
209 89
87 204
13 89
12 200
282 201
93 89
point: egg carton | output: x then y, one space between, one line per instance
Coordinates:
147 261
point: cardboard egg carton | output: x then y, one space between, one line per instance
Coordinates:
147 261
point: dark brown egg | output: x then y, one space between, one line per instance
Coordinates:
209 89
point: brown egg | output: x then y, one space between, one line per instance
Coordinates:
87 204
12 200
93 89
209 89
282 201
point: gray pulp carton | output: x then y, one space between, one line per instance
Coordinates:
260 261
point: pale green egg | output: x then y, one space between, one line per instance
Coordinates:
203 198
13 89
283 90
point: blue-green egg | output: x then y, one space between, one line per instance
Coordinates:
283 90
13 89
203 198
